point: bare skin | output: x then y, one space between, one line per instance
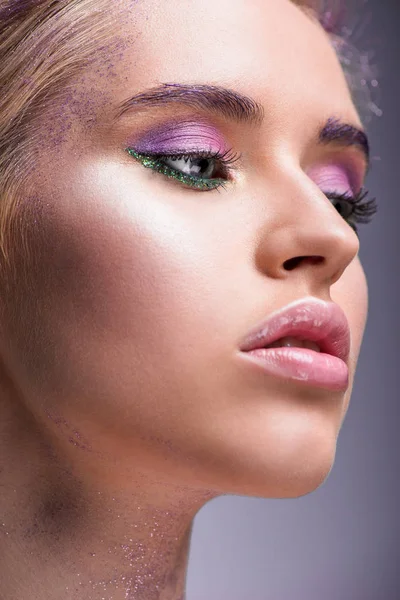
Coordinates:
125 404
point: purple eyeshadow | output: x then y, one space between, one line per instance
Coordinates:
180 136
334 177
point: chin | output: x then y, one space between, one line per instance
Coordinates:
289 485
287 475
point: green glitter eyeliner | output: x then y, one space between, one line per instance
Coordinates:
155 163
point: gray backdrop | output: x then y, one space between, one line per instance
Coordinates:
340 542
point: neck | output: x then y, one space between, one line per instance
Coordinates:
84 529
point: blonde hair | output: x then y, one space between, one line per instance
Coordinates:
44 44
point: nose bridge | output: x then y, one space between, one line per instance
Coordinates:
303 230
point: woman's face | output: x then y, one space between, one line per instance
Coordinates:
141 288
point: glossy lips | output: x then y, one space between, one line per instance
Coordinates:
321 322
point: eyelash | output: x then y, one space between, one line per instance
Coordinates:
361 209
226 159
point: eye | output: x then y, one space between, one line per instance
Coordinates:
354 209
201 170
343 206
196 167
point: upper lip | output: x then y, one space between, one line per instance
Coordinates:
321 322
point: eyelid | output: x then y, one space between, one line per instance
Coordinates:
336 176
182 135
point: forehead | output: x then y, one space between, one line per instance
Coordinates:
269 49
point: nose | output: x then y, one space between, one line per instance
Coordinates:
305 236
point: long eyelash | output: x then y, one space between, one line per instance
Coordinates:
152 160
362 210
227 158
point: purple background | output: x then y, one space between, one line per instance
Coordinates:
340 542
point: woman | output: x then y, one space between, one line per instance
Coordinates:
180 190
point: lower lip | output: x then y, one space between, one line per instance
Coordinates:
303 365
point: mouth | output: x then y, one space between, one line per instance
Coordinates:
307 341
293 342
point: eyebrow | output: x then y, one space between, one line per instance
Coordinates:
229 103
239 108
346 135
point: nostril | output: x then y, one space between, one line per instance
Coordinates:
292 263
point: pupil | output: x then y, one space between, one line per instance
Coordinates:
203 165
343 209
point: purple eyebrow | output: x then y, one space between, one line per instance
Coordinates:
237 107
347 135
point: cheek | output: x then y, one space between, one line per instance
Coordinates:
120 292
